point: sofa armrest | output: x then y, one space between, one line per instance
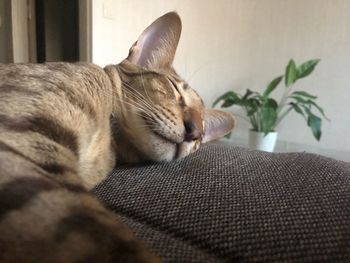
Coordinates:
225 203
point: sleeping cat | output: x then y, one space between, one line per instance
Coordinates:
63 127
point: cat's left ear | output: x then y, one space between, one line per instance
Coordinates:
217 124
157 45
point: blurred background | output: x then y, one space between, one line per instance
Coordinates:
225 45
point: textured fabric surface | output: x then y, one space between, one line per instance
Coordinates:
228 204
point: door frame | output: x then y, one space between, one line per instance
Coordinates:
85 30
19 37
23 40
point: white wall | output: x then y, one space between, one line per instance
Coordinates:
239 44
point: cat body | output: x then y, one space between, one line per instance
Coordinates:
64 126
32 122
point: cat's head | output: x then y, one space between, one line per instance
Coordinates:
160 117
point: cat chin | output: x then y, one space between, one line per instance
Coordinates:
158 149
169 152
186 148
154 146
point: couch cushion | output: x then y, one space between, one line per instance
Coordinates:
225 203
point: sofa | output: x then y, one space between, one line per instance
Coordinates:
231 204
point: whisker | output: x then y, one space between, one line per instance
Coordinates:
139 96
143 86
197 70
138 107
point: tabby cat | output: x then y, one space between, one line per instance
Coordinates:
64 126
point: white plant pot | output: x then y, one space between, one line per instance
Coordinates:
258 141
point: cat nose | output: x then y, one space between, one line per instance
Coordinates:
192 132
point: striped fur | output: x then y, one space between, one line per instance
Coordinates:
63 127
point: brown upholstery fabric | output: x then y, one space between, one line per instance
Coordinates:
229 204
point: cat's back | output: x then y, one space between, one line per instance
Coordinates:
40 78
60 92
56 110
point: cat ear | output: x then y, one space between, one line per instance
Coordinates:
157 45
217 124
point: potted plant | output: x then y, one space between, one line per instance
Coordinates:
265 113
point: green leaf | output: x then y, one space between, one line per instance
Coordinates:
298 109
307 68
304 94
230 98
310 103
268 119
268 115
271 103
273 84
247 94
319 109
300 99
252 106
228 136
314 122
291 73
228 103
